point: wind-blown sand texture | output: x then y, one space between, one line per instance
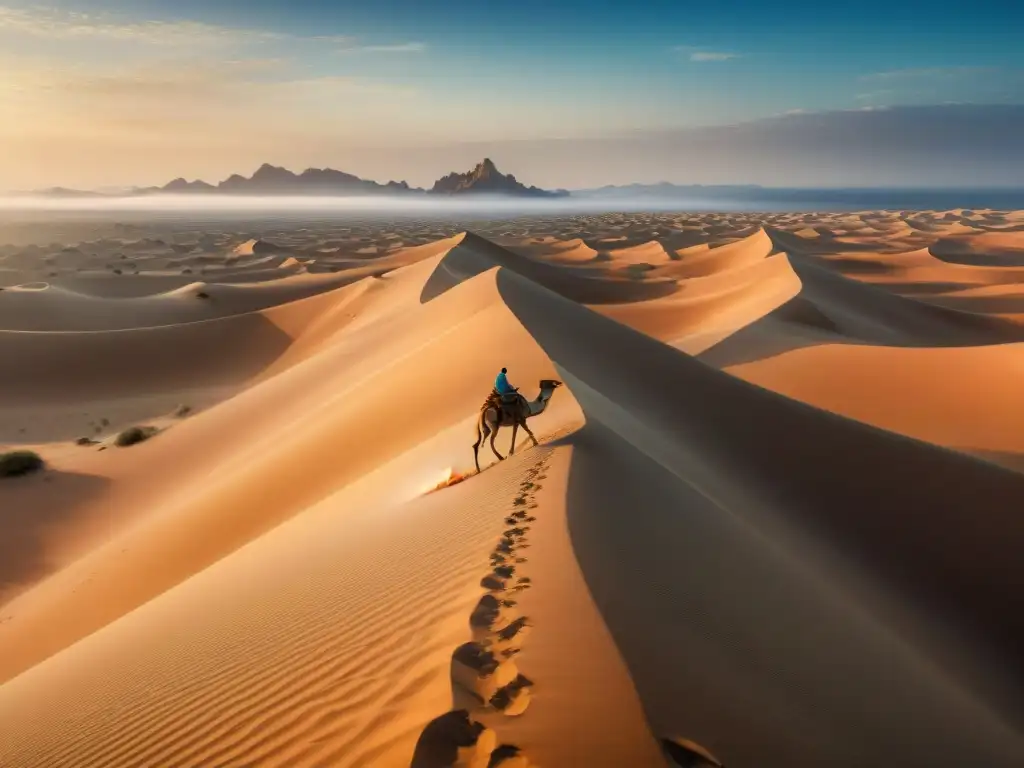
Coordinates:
775 518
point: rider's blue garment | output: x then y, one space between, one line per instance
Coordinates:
502 386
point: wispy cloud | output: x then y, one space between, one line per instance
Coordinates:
55 24
712 56
694 53
68 25
203 86
411 47
928 73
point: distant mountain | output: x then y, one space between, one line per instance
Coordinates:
485 178
274 180
180 186
666 189
64 192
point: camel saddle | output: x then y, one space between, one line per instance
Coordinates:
507 403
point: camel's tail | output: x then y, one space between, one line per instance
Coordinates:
479 427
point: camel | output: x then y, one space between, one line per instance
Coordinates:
493 417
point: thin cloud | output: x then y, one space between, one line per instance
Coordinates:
348 44
410 47
928 72
703 55
712 56
54 24
870 96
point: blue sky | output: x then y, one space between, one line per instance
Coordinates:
147 75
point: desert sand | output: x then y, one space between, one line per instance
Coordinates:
773 519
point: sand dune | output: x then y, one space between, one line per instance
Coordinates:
747 251
1002 249
772 518
709 309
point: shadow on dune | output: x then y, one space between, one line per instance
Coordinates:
796 324
32 509
788 587
795 244
875 315
474 255
981 304
833 309
954 250
1008 459
921 288
110 364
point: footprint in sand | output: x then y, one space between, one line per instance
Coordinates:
491 680
509 757
514 629
484 668
493 582
505 546
514 698
504 571
487 613
454 739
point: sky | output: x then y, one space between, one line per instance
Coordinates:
99 93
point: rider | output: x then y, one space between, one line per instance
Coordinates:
507 392
501 385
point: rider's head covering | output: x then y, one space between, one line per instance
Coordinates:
503 370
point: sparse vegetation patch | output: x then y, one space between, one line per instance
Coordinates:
15 463
133 435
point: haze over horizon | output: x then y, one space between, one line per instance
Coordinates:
118 93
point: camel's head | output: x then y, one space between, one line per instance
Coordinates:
549 384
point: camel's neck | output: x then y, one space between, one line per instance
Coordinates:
537 406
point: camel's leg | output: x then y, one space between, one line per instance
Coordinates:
480 435
494 434
530 433
515 430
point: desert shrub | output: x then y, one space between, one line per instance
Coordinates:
182 411
16 463
202 295
85 441
133 435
